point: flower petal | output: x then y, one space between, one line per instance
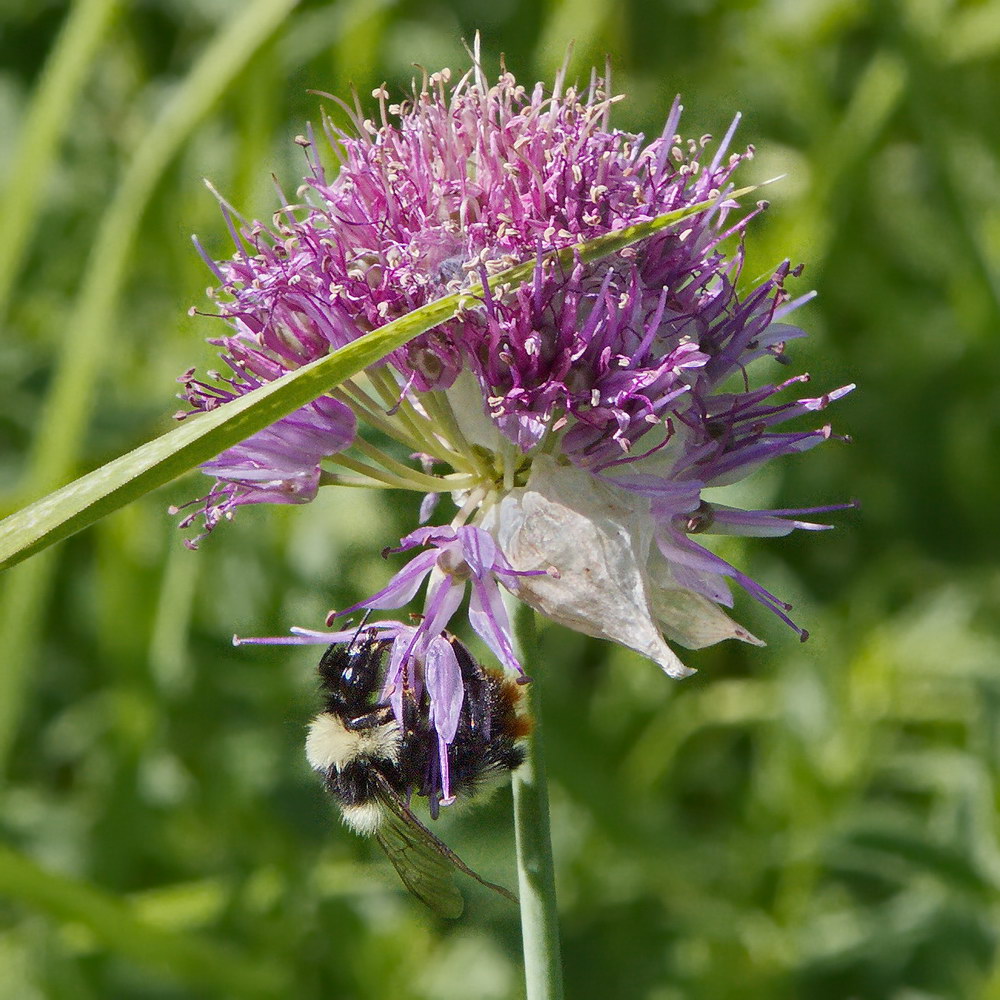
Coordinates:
443 678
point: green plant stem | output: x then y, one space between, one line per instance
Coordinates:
535 870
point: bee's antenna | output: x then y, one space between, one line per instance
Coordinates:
360 629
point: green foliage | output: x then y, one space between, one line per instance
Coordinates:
810 821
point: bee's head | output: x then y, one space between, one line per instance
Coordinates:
351 674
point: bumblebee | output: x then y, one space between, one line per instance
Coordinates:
372 765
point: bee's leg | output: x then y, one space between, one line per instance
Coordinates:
377 717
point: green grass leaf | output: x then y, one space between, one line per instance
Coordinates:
200 438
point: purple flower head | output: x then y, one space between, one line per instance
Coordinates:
580 422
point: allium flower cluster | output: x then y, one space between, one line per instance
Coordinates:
579 422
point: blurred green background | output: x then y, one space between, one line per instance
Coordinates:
804 821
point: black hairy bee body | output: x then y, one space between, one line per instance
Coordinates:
372 764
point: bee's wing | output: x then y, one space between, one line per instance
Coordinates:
423 870
424 863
